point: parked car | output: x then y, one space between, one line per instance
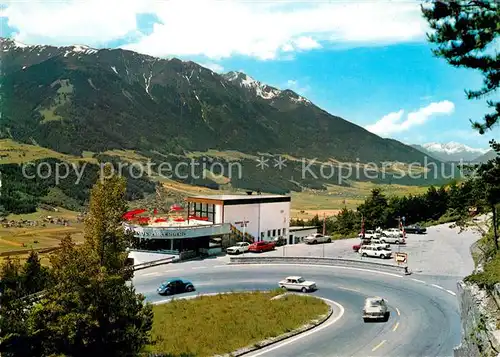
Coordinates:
317 238
374 251
262 246
380 243
392 232
279 241
238 248
297 283
392 240
175 286
416 229
365 241
375 308
370 234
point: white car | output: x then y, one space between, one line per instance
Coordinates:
374 251
370 234
238 248
392 232
297 283
380 243
393 240
317 238
375 308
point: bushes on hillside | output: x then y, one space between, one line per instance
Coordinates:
437 205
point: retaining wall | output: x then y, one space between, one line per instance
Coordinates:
361 264
480 336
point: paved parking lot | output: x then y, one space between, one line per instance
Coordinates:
442 251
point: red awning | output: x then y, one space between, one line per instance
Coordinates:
179 219
131 214
160 220
176 208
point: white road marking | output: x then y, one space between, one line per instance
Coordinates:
437 286
305 334
419 281
396 326
348 289
378 346
151 274
397 310
197 268
221 266
451 292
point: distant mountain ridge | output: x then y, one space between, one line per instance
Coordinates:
75 98
490 155
450 152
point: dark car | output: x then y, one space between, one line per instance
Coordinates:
280 241
175 286
415 229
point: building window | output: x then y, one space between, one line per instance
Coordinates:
279 231
284 231
269 233
274 232
261 235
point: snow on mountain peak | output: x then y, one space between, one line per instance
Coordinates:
452 148
262 90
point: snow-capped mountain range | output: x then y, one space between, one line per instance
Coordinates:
43 52
452 151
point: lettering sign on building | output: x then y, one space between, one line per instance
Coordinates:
166 233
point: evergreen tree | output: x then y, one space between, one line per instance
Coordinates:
91 309
13 329
35 278
374 210
489 174
465 32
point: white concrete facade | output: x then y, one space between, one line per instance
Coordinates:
264 221
262 216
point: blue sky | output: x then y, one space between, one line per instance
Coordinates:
365 61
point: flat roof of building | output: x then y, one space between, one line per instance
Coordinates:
238 199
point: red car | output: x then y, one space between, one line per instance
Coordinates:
260 247
356 247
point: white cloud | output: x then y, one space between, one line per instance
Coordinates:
218 29
296 87
215 67
392 123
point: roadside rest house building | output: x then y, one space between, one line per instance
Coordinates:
208 219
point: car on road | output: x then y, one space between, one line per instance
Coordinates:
415 229
297 283
238 248
375 308
317 238
262 246
175 286
375 252
370 234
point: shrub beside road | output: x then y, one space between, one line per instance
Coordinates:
219 324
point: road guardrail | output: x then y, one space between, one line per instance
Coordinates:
352 263
154 263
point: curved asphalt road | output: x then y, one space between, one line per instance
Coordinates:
424 320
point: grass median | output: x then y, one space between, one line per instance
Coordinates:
219 324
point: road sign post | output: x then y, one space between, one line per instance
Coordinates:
402 258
